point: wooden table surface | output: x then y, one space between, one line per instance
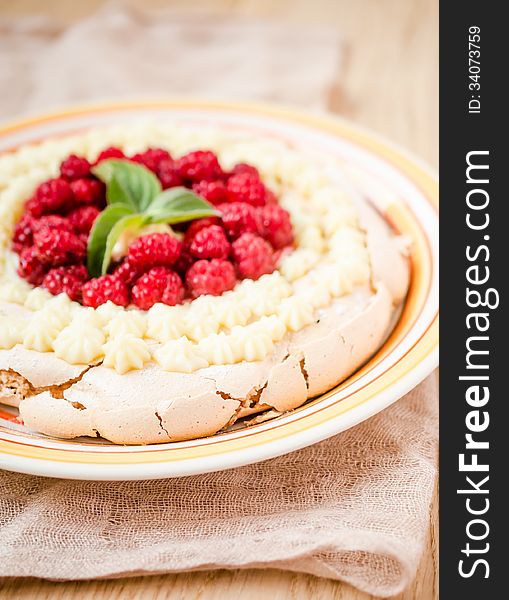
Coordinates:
389 83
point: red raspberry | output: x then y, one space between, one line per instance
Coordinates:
50 197
30 266
239 218
213 191
210 277
23 233
100 290
270 197
253 256
33 207
22 236
151 158
74 167
185 260
199 224
277 227
245 168
66 279
154 250
210 242
246 187
57 247
168 174
158 285
111 152
51 222
198 165
174 291
88 191
82 218
127 273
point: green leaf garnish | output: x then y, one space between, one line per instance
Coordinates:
135 198
99 235
134 222
127 183
177 205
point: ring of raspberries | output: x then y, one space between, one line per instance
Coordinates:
211 256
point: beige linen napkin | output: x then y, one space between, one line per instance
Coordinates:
354 507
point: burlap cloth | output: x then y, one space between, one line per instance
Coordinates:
354 507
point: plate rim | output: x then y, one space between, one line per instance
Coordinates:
411 167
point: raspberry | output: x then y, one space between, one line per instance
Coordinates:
277 227
151 158
51 222
210 277
127 273
66 279
212 191
210 242
174 291
30 266
100 290
74 167
245 168
239 218
82 218
253 256
27 226
33 207
246 187
111 152
158 285
185 260
154 250
57 247
270 197
22 236
168 174
88 191
199 224
50 197
198 165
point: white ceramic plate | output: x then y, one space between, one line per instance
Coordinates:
401 189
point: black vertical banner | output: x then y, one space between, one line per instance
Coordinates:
474 344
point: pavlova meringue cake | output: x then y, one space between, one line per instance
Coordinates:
159 282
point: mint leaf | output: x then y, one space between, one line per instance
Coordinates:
135 221
98 236
134 199
127 183
178 204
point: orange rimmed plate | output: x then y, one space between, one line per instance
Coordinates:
400 188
